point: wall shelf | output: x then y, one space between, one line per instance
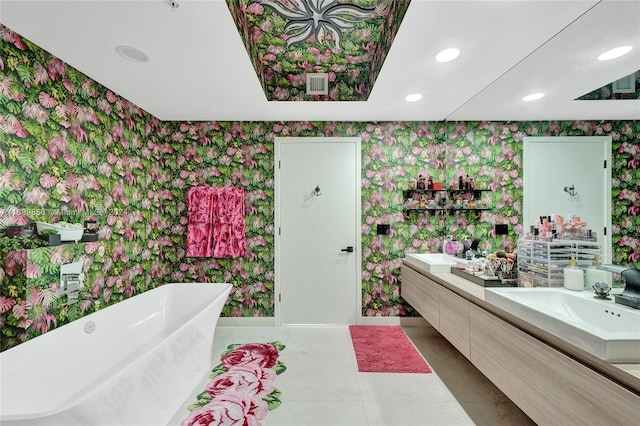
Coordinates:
407 193
454 210
426 210
476 192
445 199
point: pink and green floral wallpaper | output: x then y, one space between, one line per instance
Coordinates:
607 92
347 39
66 142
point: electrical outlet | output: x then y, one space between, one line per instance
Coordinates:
502 229
383 229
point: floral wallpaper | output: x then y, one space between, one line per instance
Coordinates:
32 281
285 40
606 92
69 144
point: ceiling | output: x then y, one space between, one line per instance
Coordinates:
346 43
200 68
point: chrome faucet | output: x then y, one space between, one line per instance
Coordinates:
475 248
630 296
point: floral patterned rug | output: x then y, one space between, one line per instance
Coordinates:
242 387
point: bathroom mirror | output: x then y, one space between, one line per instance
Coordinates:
569 175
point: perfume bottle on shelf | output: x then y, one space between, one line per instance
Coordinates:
421 182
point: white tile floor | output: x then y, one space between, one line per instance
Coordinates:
322 385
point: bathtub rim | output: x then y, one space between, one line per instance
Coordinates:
78 396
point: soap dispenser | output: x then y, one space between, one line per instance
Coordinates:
573 276
593 275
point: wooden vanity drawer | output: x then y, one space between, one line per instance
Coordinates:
422 294
454 320
548 386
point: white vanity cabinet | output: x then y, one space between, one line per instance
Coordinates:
552 385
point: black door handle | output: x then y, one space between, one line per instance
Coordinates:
349 249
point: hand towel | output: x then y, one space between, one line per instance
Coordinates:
228 223
216 226
199 227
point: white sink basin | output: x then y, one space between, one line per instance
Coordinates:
607 330
432 262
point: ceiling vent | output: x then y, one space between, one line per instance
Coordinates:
317 83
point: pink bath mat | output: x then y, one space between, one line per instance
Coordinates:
385 349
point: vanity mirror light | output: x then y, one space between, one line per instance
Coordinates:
569 175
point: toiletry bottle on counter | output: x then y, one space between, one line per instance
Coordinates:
593 275
573 276
451 247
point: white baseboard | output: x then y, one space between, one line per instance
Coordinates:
271 321
246 322
404 321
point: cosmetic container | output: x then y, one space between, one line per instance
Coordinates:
593 275
573 276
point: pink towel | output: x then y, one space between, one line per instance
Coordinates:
199 228
216 222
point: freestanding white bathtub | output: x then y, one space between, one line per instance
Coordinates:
132 363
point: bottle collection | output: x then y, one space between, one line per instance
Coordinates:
556 227
463 182
564 240
424 193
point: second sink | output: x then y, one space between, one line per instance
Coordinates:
432 262
603 328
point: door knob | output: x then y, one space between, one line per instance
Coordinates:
349 249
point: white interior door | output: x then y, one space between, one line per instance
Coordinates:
317 220
552 164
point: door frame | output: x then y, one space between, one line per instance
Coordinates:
278 142
605 141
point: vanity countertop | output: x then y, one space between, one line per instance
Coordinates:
626 374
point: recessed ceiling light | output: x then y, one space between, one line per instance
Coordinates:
615 53
447 55
533 97
415 97
132 54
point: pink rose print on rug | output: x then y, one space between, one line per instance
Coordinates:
242 388
265 355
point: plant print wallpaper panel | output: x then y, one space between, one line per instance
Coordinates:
68 143
31 292
286 40
607 92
